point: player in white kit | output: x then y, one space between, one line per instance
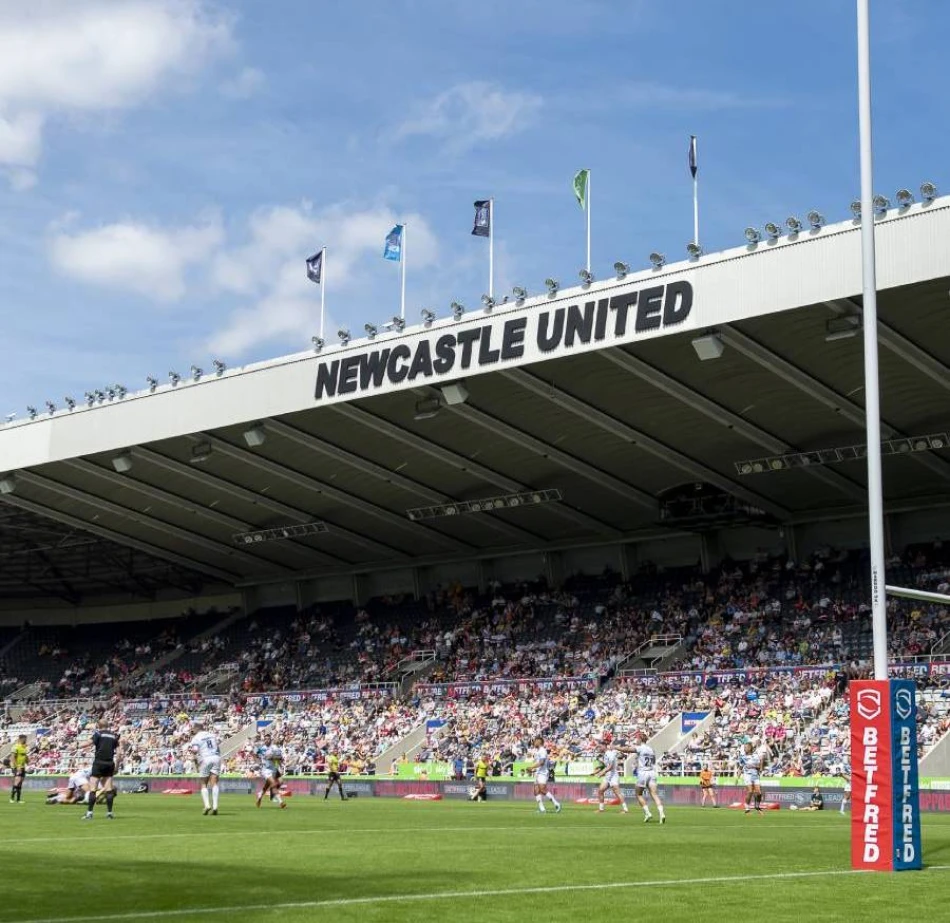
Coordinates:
646 780
207 752
539 763
272 760
76 789
609 771
750 762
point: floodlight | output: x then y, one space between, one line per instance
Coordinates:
905 198
928 192
219 366
427 317
793 224
816 219
122 463
196 373
658 260
318 343
371 330
255 436
586 277
152 383
174 377
31 412
344 336
120 391
399 323
752 235
694 250
70 403
488 302
708 347
880 204
773 230
520 294
856 208
621 269
7 484
90 398
51 407
455 394
552 285
100 395
458 309
110 393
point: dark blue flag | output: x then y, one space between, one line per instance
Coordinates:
693 165
482 218
315 267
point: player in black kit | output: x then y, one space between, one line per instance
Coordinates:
106 743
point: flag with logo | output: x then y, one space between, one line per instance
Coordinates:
693 164
581 179
393 247
482 218
315 267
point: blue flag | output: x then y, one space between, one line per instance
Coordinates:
315 267
482 218
693 163
393 248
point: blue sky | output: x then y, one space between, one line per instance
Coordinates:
167 165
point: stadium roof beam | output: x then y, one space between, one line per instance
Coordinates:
69 592
807 384
570 462
714 411
163 496
900 345
215 482
214 547
154 550
431 496
623 431
306 482
463 463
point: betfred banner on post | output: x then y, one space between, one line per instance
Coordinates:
906 813
885 811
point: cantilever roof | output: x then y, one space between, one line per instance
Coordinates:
612 423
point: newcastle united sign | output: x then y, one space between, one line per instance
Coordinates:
533 334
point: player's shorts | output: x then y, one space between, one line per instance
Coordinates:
645 777
611 778
102 769
847 791
211 766
270 774
333 778
19 774
750 777
541 777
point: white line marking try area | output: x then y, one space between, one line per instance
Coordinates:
456 895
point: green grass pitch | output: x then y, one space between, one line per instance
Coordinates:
369 860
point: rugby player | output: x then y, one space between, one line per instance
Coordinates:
609 772
750 761
76 790
272 758
539 764
105 745
334 777
207 748
646 780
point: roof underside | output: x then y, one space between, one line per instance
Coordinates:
611 430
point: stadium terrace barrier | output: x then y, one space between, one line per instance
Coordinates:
353 691
918 668
791 792
501 686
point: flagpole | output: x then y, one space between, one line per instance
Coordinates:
402 266
588 220
323 289
491 248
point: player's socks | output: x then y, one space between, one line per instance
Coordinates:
624 808
110 800
540 801
326 794
215 791
205 799
554 801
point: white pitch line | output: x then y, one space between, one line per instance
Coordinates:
455 895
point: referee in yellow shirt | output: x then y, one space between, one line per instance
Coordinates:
482 766
333 777
18 760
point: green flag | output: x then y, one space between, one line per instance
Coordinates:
580 187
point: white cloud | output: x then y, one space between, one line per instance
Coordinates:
268 271
135 257
244 85
63 57
470 114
